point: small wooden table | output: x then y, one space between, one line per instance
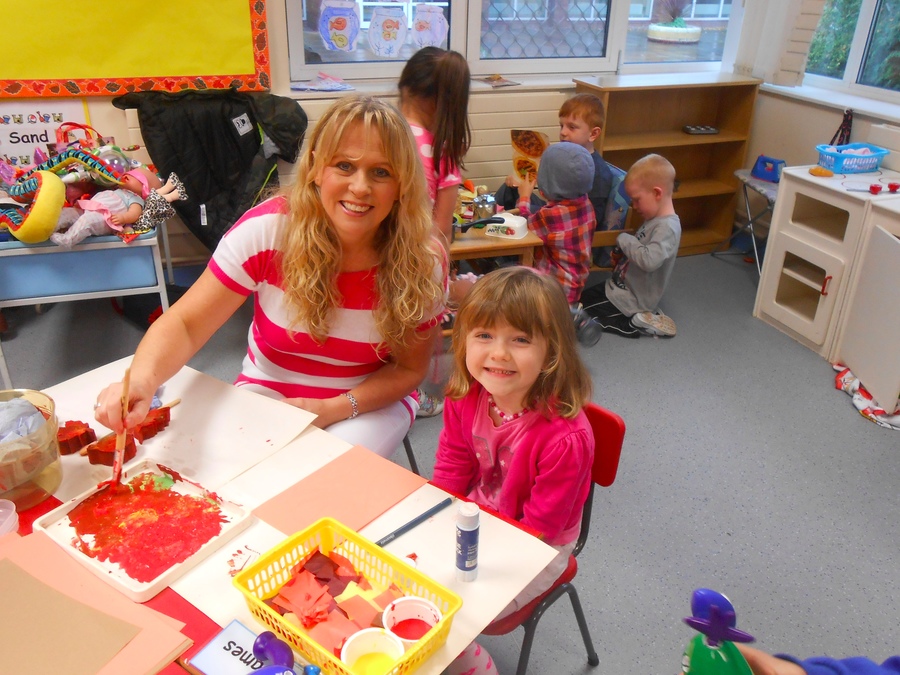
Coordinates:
474 243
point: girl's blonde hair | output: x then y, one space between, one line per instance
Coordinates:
310 253
535 304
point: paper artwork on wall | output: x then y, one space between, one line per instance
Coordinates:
339 24
430 26
387 30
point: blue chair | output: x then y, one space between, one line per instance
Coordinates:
617 207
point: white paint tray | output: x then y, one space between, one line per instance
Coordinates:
57 526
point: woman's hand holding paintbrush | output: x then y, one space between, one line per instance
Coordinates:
119 459
111 412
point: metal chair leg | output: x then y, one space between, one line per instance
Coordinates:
751 219
530 626
593 659
413 466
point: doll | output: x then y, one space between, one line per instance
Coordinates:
158 205
138 204
107 212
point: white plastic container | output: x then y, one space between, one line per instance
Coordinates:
9 519
30 469
372 651
410 608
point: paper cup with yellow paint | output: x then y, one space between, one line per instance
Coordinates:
372 651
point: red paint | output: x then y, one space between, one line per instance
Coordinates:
144 525
411 629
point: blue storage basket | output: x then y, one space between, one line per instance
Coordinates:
832 157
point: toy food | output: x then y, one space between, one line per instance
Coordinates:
821 171
527 146
531 143
525 167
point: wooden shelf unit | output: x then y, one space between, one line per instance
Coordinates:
646 113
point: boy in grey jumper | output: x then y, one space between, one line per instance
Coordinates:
628 303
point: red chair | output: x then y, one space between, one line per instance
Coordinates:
609 432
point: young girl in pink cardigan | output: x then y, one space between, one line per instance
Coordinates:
515 438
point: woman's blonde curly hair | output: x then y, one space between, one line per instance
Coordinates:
310 253
535 304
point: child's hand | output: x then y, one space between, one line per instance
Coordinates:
526 186
117 219
615 256
762 663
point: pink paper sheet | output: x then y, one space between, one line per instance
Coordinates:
159 640
354 489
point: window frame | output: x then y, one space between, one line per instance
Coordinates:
468 14
616 31
848 83
366 70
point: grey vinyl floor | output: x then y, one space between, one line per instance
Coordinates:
743 470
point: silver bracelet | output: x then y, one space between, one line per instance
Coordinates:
353 404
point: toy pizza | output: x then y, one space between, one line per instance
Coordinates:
528 146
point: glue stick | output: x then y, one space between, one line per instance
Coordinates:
467 541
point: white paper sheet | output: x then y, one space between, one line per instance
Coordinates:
217 432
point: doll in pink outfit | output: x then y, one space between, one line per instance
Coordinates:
515 437
139 204
107 212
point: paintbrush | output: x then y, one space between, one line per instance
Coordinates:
119 457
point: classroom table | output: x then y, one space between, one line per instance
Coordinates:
248 448
474 243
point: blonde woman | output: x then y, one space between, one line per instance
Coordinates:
347 284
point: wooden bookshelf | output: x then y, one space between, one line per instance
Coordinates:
646 113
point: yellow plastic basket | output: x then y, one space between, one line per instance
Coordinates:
263 579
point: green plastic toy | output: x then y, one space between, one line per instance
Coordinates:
713 651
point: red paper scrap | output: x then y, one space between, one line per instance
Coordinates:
360 610
305 597
331 634
388 596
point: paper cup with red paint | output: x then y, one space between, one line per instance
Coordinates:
410 618
372 651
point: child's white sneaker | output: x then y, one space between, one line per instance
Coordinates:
654 323
429 406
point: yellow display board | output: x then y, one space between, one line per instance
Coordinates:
110 47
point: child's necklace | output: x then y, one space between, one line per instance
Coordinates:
503 415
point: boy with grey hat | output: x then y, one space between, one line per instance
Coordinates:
566 222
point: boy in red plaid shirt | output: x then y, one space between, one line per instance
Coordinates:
566 222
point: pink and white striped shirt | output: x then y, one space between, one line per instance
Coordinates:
292 363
